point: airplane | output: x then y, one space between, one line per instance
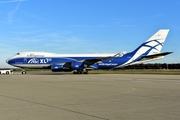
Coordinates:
82 63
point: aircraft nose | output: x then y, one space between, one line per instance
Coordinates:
8 61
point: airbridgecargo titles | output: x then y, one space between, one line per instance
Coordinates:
108 64
81 63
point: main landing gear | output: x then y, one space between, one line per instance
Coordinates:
23 71
80 71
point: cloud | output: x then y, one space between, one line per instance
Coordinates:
5 48
11 13
32 32
10 1
47 40
124 22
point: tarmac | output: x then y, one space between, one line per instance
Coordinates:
90 97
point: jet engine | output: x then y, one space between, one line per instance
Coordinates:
57 68
78 65
60 68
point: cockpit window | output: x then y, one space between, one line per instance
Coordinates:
18 54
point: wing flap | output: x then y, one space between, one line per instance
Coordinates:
95 60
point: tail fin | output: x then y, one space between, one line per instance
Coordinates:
149 50
154 44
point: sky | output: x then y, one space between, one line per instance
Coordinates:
86 26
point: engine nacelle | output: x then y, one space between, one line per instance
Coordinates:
56 68
77 65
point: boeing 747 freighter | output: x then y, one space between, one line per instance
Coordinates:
81 63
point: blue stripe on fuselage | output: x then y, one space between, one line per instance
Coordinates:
104 64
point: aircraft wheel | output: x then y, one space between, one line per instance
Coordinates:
85 72
80 72
23 72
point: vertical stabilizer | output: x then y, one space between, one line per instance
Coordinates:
154 44
151 46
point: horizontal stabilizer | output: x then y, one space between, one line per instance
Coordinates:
156 55
149 58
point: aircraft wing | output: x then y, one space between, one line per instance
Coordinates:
88 62
92 61
95 60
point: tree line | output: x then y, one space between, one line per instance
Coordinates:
154 66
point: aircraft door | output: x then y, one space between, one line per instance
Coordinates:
25 60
